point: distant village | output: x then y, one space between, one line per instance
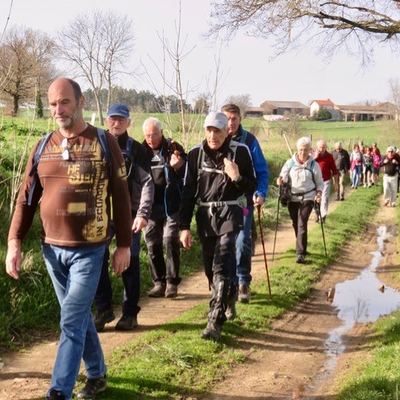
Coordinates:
276 110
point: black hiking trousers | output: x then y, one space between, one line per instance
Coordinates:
299 214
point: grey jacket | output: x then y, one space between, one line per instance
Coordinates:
305 178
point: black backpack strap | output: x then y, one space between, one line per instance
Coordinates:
103 140
36 159
129 156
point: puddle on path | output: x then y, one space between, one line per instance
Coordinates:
363 299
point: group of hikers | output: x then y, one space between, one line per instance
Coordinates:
366 163
85 179
306 180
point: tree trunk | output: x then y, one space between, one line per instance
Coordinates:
98 105
15 105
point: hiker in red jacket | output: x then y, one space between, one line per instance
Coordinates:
328 168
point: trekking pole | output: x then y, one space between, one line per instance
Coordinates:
318 211
263 246
277 220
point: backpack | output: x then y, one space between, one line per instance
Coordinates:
285 190
101 137
233 145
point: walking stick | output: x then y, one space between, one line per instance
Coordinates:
277 219
263 246
318 211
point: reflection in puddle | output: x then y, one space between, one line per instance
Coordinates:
363 299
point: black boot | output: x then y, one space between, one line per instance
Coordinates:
232 298
218 305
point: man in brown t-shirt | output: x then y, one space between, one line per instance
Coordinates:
74 185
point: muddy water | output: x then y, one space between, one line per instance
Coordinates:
360 300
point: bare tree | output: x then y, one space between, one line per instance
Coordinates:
25 59
243 101
355 24
395 97
98 46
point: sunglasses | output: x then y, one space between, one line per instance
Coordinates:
65 145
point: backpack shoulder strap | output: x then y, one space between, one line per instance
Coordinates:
36 159
233 145
243 137
103 140
38 153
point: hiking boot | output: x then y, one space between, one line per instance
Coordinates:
171 291
157 291
300 259
212 331
102 318
55 395
230 312
244 293
126 323
342 198
92 388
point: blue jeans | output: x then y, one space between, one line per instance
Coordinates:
131 278
243 250
355 177
75 273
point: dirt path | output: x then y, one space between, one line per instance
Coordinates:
281 363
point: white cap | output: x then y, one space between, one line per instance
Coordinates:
217 120
390 148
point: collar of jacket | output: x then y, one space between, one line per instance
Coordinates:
238 135
122 139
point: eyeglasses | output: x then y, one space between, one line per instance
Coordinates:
121 120
65 145
153 136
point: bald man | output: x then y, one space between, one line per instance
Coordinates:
73 186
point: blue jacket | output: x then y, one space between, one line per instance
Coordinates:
259 161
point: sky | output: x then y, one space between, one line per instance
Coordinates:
246 64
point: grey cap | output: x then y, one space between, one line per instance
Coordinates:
217 120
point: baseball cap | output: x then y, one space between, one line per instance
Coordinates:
118 109
217 120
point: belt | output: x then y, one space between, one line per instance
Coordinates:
240 201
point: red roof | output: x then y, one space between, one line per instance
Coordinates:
324 102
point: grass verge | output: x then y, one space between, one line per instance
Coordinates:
377 376
173 361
